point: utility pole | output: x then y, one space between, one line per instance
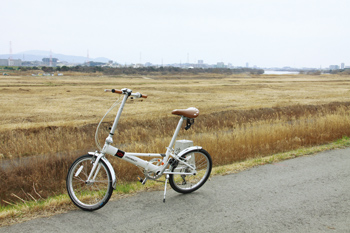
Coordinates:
10 58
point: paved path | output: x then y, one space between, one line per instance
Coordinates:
307 194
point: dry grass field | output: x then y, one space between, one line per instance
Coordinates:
28 102
241 116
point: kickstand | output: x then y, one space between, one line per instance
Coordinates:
166 181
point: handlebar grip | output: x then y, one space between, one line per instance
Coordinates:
117 91
114 91
143 96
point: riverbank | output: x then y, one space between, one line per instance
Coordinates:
28 210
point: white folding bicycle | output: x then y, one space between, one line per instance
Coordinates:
91 178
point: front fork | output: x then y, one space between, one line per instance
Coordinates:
96 165
97 159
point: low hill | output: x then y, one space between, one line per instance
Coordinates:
38 55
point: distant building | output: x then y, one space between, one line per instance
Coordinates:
93 63
342 66
220 65
31 63
4 62
12 62
201 62
47 61
334 67
15 62
247 64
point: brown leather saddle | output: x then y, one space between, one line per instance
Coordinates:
189 113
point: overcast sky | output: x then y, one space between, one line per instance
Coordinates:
265 33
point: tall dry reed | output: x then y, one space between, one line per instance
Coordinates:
228 136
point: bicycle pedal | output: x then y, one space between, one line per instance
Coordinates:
143 181
140 179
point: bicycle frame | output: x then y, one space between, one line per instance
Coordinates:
134 157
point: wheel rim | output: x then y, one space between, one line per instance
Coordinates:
189 182
89 195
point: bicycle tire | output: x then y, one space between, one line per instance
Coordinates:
190 183
89 196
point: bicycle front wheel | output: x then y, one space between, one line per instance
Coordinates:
188 183
89 195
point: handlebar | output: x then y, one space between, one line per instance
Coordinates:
126 91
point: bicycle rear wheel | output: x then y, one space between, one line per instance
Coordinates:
89 195
189 183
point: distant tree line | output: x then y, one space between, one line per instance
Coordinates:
163 70
341 71
319 72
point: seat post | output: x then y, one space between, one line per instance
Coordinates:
176 132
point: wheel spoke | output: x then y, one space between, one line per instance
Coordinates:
190 183
90 195
79 179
